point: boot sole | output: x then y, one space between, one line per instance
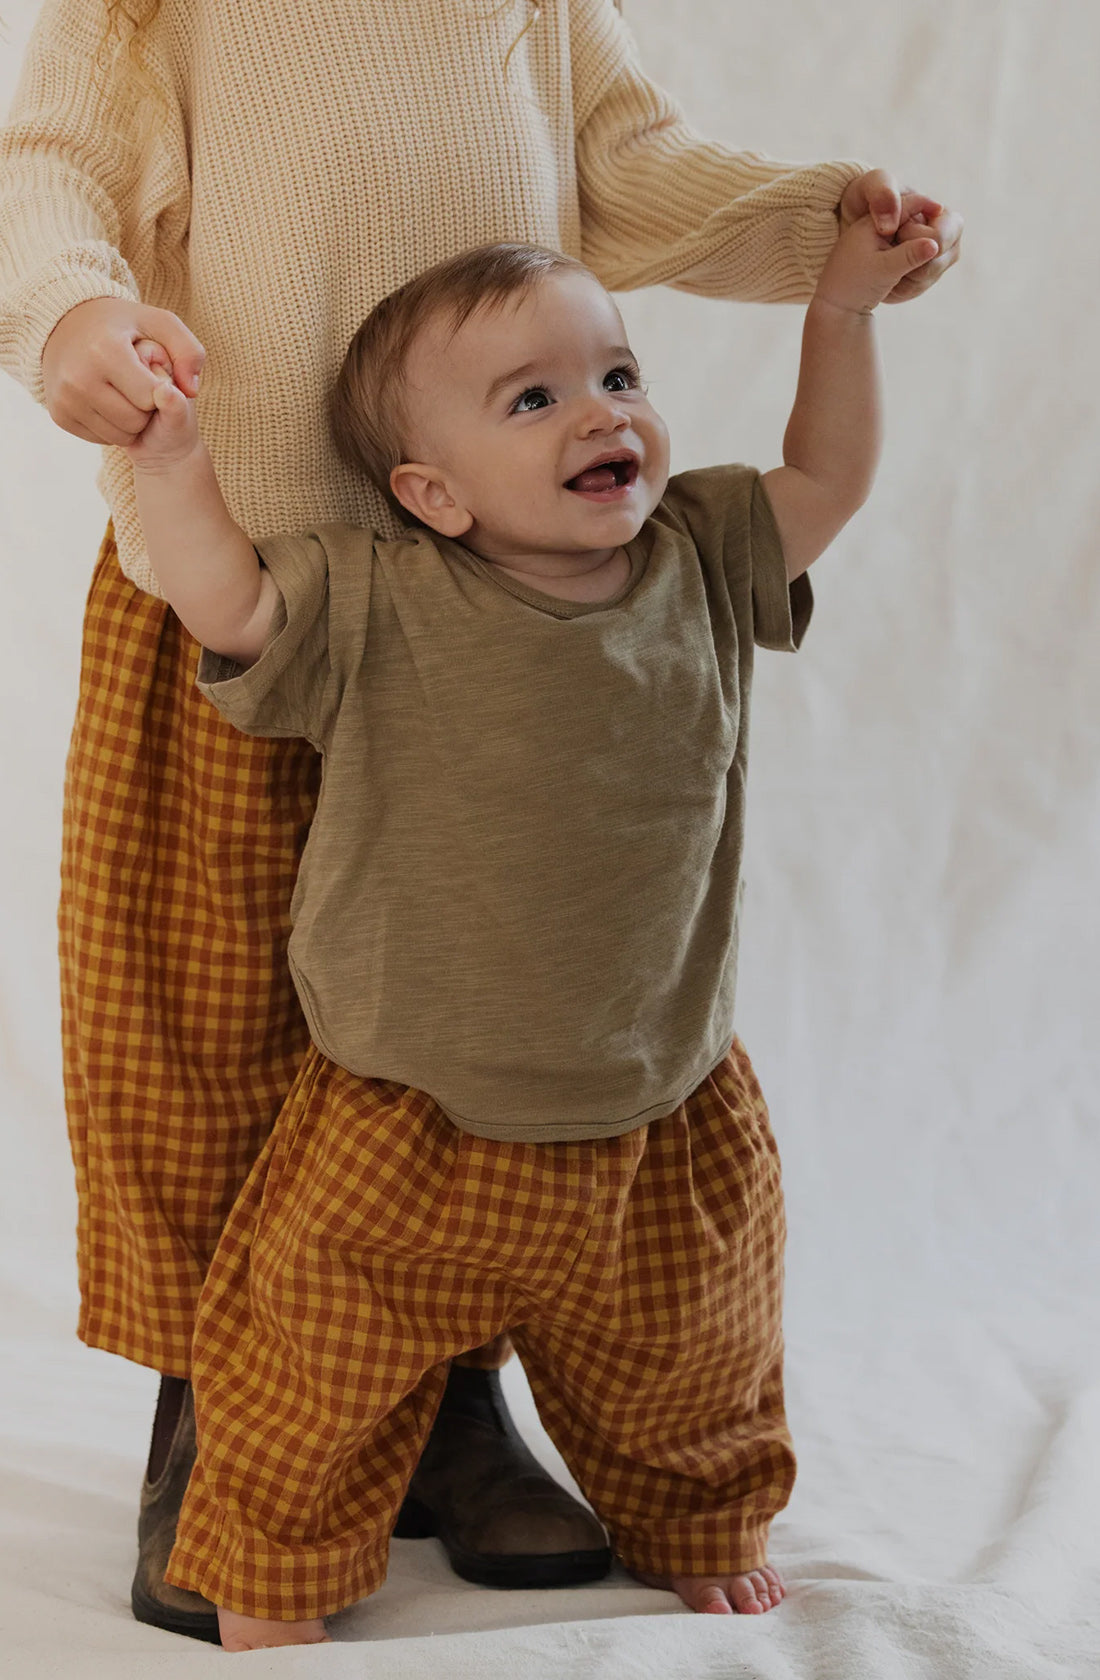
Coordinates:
508 1571
191 1624
511 1572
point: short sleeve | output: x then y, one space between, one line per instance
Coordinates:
292 688
730 520
780 610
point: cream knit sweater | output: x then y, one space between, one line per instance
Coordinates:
312 155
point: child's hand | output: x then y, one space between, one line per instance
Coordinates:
171 435
865 266
94 384
901 213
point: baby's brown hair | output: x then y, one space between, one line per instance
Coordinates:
366 407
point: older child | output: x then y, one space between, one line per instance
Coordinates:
515 933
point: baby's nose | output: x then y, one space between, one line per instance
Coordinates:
603 414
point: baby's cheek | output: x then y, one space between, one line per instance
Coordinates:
661 442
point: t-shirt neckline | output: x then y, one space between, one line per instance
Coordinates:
554 605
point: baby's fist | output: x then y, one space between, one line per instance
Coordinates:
172 433
864 266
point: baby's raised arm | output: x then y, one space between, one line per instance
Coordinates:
833 438
207 567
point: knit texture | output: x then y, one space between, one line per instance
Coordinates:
309 157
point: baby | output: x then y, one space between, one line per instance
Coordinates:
515 933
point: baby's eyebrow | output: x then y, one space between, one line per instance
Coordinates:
509 378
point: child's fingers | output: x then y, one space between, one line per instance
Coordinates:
916 205
171 431
155 357
908 254
172 414
875 194
170 402
884 201
167 397
914 229
157 362
185 354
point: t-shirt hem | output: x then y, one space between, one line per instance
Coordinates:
582 1132
537 1132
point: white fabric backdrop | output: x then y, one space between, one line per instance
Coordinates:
920 962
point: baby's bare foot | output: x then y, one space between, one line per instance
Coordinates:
723 1595
253 1633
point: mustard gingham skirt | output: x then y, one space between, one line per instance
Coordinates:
640 1277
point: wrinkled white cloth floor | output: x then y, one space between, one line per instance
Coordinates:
944 1527
920 961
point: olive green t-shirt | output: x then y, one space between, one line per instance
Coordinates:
520 889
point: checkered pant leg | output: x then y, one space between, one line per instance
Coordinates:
660 1377
319 1349
374 1240
181 1028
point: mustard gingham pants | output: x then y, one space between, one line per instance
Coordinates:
640 1277
182 1032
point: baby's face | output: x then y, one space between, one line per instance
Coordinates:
535 416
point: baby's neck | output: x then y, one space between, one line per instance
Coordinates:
598 583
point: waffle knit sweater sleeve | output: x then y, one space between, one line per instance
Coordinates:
662 206
300 162
85 176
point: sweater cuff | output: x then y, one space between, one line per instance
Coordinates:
817 229
43 306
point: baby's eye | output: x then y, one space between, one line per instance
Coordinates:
622 379
530 400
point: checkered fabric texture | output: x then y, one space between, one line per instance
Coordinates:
640 1277
182 1030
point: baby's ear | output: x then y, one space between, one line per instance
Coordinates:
423 490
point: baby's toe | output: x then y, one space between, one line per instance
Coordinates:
775 1583
751 1593
711 1599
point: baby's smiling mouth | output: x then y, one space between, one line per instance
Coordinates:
606 475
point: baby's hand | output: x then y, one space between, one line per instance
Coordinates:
901 212
172 433
864 266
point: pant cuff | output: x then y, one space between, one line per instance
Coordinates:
710 1554
246 1572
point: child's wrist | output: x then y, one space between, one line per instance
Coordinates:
195 459
823 302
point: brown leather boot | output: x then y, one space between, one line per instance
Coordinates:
171 1459
501 1519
